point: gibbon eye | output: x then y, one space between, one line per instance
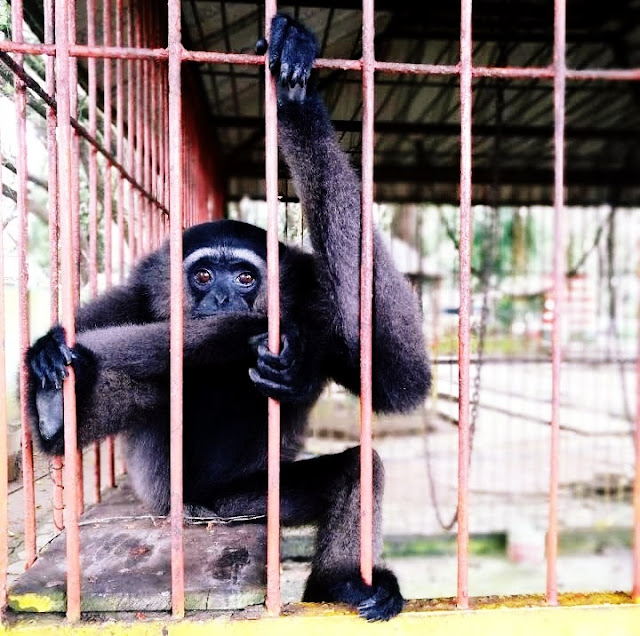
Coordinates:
245 279
203 276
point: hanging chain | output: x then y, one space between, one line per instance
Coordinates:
490 254
490 251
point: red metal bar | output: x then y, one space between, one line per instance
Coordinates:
143 81
558 294
93 201
464 331
131 137
4 429
23 295
139 138
75 207
63 91
120 150
177 317
56 464
213 57
273 600
155 136
366 294
107 209
635 594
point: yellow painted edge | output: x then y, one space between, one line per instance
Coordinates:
33 602
618 618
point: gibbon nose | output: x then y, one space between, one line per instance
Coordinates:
221 299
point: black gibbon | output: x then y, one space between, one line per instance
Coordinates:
121 359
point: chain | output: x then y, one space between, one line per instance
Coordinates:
491 242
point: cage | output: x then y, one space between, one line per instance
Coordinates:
497 149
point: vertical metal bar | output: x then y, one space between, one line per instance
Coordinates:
155 131
177 317
107 209
110 442
273 601
52 211
558 293
366 294
120 141
93 200
146 156
75 205
4 430
139 140
464 344
63 91
635 594
23 293
131 138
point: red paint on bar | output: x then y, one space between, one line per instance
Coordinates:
177 317
75 213
464 332
23 296
558 294
68 306
120 146
56 463
154 136
93 202
635 594
273 601
213 57
4 429
366 294
131 136
138 108
107 200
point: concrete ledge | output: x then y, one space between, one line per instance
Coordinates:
125 564
610 615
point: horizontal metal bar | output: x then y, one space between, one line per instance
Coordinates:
213 57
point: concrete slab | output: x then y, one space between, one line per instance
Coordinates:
125 564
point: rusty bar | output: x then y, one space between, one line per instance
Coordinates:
107 203
75 206
213 57
131 136
155 133
4 430
177 317
110 442
56 463
120 146
139 138
93 202
366 294
273 600
137 107
166 170
68 305
558 294
464 332
635 594
23 295
146 123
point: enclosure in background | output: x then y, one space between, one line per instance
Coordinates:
545 388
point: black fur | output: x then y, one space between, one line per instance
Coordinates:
121 359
